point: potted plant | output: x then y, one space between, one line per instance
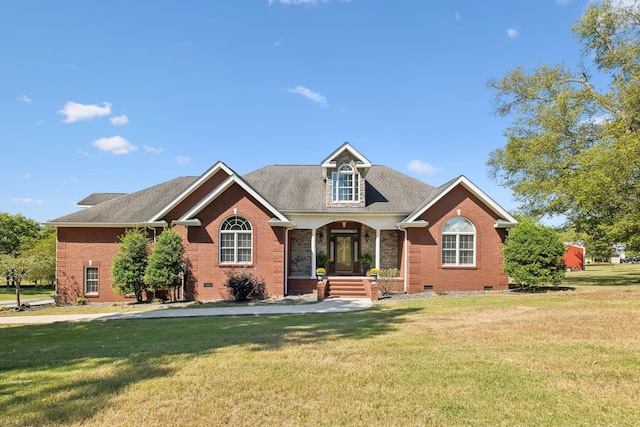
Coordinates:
365 260
374 273
321 260
320 273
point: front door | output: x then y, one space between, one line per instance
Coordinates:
344 254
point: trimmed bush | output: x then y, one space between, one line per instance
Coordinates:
244 285
387 280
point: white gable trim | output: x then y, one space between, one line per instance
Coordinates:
233 179
193 187
464 181
362 161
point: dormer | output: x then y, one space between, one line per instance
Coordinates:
344 173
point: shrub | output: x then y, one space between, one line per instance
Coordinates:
244 285
81 301
387 280
533 255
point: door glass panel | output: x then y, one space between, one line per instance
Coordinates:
344 257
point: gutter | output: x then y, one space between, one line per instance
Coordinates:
106 224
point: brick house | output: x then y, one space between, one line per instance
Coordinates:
278 219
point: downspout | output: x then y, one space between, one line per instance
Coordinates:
313 252
286 260
406 259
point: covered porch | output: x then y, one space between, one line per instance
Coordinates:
346 249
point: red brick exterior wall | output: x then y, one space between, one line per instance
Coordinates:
77 247
424 247
203 246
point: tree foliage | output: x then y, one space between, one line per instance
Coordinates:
17 268
44 252
573 147
533 255
129 263
16 233
165 267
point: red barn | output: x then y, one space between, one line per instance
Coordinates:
574 257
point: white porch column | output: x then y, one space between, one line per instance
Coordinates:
377 248
313 252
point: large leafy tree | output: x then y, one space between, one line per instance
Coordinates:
44 251
17 268
573 147
165 268
129 263
16 233
533 255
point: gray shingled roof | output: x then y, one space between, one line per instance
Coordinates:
97 198
134 208
302 189
288 188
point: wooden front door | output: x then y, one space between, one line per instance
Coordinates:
344 254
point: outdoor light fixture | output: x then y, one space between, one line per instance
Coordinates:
366 236
321 236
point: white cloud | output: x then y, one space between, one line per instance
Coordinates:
457 16
27 175
40 122
114 144
183 160
512 32
119 120
76 112
153 149
24 98
27 200
309 94
424 168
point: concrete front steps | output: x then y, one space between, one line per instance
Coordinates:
347 287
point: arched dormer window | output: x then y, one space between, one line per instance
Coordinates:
346 184
236 238
459 242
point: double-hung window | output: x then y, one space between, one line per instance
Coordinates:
346 184
458 242
235 241
91 280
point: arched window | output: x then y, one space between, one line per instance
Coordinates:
346 184
458 242
235 241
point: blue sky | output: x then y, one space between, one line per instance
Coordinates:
116 96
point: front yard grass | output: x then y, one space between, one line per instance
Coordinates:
560 358
26 292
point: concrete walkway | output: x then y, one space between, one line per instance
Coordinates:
41 301
333 305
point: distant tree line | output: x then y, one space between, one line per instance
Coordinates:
27 252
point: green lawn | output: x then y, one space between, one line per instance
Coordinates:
605 275
558 359
26 292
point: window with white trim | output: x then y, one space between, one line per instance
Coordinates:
236 238
459 242
91 280
346 184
